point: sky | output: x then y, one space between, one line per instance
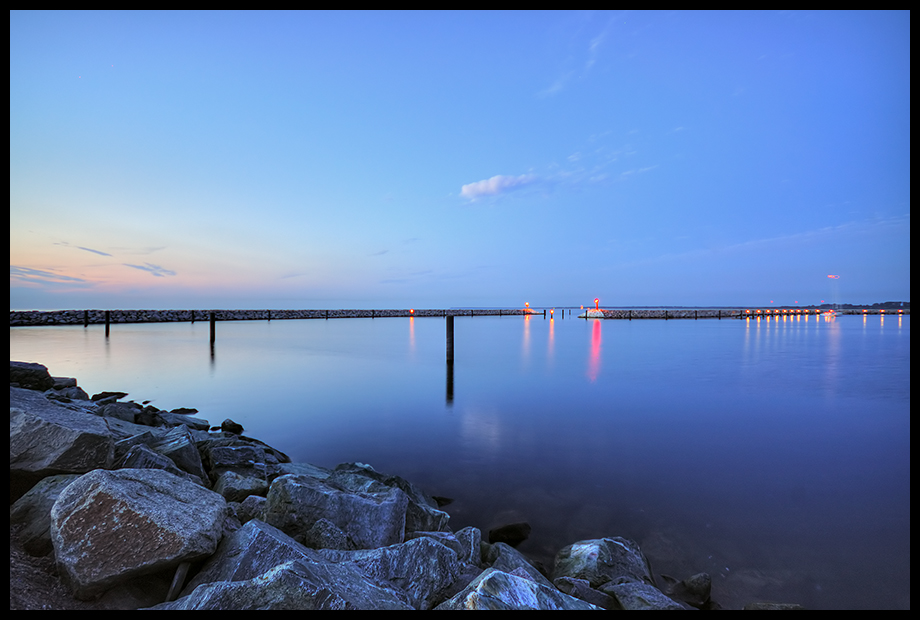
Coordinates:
477 159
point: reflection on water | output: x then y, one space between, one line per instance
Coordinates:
773 453
594 362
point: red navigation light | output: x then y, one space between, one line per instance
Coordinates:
526 304
596 302
411 311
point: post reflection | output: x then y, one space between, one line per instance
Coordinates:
551 342
594 362
450 384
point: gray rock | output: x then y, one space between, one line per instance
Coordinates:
178 445
247 553
251 508
293 585
47 438
326 535
694 590
110 526
494 589
422 514
123 411
257 547
34 511
506 558
370 519
601 560
581 589
244 458
632 595
236 488
142 457
422 568
30 376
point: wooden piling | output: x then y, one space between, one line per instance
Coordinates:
213 327
450 339
106 323
86 318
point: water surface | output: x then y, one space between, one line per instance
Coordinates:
773 455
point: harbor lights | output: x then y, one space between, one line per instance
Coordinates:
597 304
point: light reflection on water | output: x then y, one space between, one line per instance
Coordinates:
772 453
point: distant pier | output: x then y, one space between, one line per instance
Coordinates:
108 317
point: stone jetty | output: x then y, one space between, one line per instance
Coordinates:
98 317
138 507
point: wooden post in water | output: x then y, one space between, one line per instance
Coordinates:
213 331
450 339
106 323
86 318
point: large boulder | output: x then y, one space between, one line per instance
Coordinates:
47 438
293 585
33 511
369 519
601 560
110 526
30 376
422 568
422 512
494 589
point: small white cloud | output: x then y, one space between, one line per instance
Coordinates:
499 184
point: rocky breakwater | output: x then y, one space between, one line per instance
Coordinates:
98 317
140 507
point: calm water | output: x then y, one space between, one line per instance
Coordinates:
773 455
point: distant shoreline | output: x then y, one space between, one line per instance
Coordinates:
99 317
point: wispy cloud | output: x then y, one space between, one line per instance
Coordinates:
27 274
499 184
154 270
85 249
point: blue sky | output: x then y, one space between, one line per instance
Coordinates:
313 160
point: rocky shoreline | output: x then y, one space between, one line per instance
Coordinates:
119 505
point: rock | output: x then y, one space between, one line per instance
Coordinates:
508 559
494 589
142 457
47 438
422 513
178 445
123 411
601 560
422 568
632 595
465 543
229 426
236 488
581 589
104 398
251 508
257 548
110 526
370 520
292 585
30 376
241 457
694 590
326 535
34 511
512 534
